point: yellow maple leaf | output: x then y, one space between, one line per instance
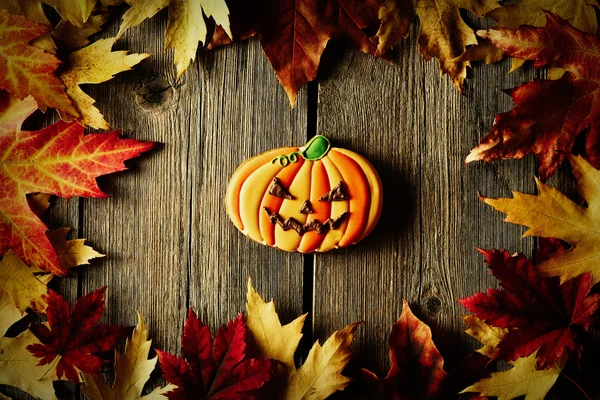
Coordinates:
95 63
19 368
22 286
71 253
552 214
321 373
523 379
71 37
132 370
76 12
9 313
444 34
187 25
489 336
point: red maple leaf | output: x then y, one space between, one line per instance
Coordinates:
25 69
294 33
58 160
216 370
548 115
540 313
73 336
417 370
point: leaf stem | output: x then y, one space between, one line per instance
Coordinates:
576 385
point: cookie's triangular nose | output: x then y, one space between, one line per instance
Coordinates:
306 208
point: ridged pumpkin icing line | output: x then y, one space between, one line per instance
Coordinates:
311 241
360 197
375 186
333 237
300 188
273 203
239 177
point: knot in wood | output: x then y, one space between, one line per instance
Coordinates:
155 95
432 306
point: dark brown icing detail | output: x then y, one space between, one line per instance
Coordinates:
338 193
278 190
306 208
314 225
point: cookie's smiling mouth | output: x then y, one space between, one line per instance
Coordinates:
314 225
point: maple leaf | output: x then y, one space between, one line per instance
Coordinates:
444 34
73 337
187 25
580 13
26 70
552 214
21 284
548 115
95 63
71 253
321 373
490 336
215 370
70 37
541 314
18 367
132 370
76 12
417 367
523 379
57 160
294 34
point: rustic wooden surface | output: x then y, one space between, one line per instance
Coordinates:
170 244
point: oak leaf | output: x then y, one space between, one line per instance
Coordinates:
19 368
548 115
72 337
27 70
95 63
216 370
187 25
523 379
417 367
552 214
321 373
541 315
59 160
132 371
444 34
294 34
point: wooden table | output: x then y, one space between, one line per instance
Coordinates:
170 244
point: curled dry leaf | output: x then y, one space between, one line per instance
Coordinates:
548 115
95 63
187 25
417 367
444 34
215 370
132 371
541 315
321 373
58 160
70 340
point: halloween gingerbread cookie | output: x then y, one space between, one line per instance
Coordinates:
309 199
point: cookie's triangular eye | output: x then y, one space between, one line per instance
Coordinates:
338 193
277 189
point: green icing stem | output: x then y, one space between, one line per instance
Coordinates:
314 150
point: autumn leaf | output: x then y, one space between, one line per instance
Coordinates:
72 338
95 63
548 115
9 313
321 373
539 313
579 13
70 37
58 160
26 70
294 34
19 368
76 12
187 25
489 336
444 34
132 371
215 370
21 284
71 253
417 367
523 379
552 214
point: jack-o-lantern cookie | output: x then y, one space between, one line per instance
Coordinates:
309 199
